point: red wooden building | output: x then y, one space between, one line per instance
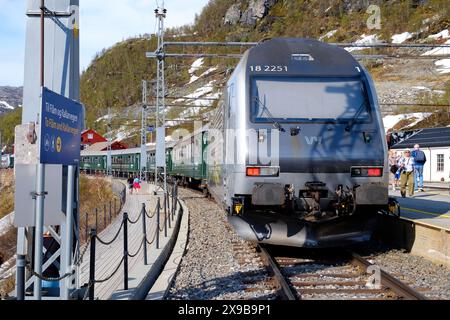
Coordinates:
90 137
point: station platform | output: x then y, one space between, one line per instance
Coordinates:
431 207
108 257
424 225
437 186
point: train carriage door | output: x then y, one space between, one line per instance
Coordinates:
137 162
191 155
228 141
204 145
104 163
170 162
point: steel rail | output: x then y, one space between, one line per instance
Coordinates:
389 281
286 290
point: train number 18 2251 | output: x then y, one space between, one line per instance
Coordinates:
268 68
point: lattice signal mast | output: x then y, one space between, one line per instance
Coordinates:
160 118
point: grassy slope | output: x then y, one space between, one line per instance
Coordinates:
6 192
8 122
95 193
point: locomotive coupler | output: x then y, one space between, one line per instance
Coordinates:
345 204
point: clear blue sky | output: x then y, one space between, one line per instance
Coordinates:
102 23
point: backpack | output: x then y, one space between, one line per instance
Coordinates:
420 157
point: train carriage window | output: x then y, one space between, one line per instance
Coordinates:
308 99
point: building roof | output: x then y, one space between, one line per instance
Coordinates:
427 138
99 146
103 146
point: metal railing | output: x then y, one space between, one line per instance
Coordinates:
108 213
169 214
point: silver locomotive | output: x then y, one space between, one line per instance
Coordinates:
297 150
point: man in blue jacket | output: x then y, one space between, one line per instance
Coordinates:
419 160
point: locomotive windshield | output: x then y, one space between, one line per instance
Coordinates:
308 99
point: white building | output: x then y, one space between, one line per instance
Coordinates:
435 142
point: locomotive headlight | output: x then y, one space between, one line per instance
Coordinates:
263 171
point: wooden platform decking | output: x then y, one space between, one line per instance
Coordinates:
108 257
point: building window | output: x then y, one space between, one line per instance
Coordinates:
90 136
440 163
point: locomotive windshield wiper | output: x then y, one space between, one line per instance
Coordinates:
276 124
356 116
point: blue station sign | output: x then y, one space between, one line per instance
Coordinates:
61 125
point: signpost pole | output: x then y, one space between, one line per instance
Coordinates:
40 185
69 232
38 242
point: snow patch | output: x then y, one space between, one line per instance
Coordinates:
391 121
370 39
444 34
422 88
443 66
6 223
328 34
402 37
438 51
6 105
106 117
202 91
193 78
196 65
212 69
124 132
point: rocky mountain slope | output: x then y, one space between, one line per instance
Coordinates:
114 78
10 98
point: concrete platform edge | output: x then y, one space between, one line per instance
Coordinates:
149 280
160 289
429 242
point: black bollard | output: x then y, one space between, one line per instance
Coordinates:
93 235
125 251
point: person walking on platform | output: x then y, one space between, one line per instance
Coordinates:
393 160
419 160
130 181
406 165
137 184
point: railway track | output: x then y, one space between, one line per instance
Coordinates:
331 275
345 276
